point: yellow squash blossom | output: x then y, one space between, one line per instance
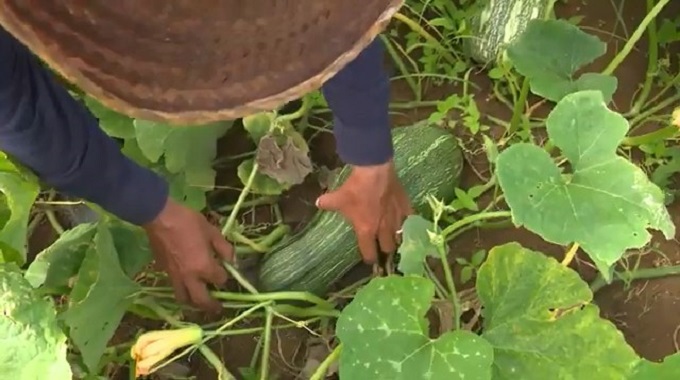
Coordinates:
676 117
154 346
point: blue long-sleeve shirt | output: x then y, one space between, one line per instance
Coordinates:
45 128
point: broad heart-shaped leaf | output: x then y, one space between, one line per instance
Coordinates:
33 345
262 184
668 370
20 190
605 205
54 267
99 299
538 316
186 152
384 336
258 125
550 52
416 245
113 123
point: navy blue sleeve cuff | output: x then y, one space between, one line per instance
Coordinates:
46 129
359 98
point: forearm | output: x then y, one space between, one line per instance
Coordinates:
359 98
47 130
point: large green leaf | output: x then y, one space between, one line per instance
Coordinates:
538 316
186 153
33 345
113 123
606 204
384 336
668 370
56 265
99 299
550 52
20 189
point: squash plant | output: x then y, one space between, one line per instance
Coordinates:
538 319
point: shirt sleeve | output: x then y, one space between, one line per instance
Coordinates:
46 129
359 98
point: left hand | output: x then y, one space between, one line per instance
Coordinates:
373 200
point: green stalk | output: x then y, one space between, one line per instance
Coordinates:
322 370
628 47
260 201
656 108
265 244
455 301
651 137
651 64
214 360
475 218
264 374
519 107
638 274
241 198
427 36
401 66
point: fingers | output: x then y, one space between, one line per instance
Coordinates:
180 291
224 250
387 235
198 291
367 244
331 201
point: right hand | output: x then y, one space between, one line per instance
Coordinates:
184 243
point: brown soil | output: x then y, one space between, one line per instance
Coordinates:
647 312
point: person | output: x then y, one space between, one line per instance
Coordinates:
43 127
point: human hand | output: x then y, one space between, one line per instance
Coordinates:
373 200
184 244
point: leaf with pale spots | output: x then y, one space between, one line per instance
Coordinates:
539 318
606 204
416 245
384 336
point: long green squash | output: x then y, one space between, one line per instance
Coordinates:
428 161
498 23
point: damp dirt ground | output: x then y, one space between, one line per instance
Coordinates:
647 312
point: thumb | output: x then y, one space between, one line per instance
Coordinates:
332 201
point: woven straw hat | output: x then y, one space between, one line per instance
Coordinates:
195 61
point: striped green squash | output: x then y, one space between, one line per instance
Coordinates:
428 161
497 23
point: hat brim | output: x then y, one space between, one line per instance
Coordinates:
193 62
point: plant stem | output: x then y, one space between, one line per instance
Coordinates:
475 218
427 36
54 222
455 302
265 244
266 200
651 137
518 110
267 345
571 253
240 200
653 58
634 38
638 274
401 66
257 297
297 114
322 370
656 108
210 356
